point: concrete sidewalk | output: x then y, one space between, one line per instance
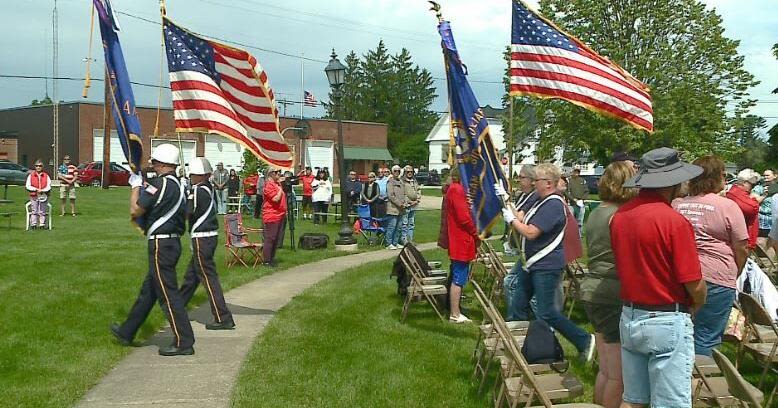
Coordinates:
206 379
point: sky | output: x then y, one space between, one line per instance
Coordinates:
311 29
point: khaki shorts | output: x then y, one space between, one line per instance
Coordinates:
67 192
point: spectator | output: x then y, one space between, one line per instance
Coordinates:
722 238
233 186
38 184
382 180
322 191
273 216
250 187
219 179
412 197
395 208
261 180
768 190
600 286
740 193
462 239
353 190
542 231
67 175
183 179
306 178
661 284
369 194
578 191
622 156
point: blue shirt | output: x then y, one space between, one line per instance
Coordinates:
550 219
382 186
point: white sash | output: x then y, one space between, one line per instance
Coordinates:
207 212
554 243
158 223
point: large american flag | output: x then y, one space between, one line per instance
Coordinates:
220 89
548 63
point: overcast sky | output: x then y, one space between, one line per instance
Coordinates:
311 28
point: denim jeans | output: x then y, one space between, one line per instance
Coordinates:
392 236
408 225
221 200
544 285
511 284
711 320
657 356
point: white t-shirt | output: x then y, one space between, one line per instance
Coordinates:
322 190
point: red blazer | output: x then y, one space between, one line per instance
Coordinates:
462 235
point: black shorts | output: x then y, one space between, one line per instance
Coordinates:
307 202
605 319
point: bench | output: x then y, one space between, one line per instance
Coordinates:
8 215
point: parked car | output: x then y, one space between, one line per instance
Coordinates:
90 174
12 173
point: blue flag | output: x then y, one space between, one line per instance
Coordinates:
122 101
477 159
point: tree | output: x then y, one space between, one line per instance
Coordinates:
678 48
755 149
45 101
391 89
251 164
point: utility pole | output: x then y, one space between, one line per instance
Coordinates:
285 103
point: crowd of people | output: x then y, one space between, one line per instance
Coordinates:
665 248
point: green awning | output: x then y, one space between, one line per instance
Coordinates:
367 153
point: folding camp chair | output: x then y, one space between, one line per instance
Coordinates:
239 248
370 227
765 353
28 213
419 287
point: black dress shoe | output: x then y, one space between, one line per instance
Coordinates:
115 331
220 326
175 351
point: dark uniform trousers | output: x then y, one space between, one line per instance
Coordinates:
202 269
160 285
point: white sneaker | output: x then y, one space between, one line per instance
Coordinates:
391 247
459 319
588 355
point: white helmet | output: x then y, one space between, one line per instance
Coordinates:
165 153
200 166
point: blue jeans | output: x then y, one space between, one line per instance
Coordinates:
657 356
221 200
511 284
408 225
543 284
392 236
711 320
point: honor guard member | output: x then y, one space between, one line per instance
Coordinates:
162 204
204 229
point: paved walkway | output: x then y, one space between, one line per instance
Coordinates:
206 379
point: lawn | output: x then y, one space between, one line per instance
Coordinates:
340 343
60 289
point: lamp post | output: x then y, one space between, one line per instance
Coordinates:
336 75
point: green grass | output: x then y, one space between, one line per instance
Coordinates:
340 343
60 289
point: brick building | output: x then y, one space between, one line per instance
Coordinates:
81 136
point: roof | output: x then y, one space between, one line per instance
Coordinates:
366 153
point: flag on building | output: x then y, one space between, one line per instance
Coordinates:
310 100
547 62
220 89
122 100
477 159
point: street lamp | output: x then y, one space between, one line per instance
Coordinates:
336 75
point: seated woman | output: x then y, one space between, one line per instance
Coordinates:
38 184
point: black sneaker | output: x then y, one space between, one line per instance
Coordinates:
175 351
220 326
115 331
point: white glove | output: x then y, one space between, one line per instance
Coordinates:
579 203
508 215
135 180
499 190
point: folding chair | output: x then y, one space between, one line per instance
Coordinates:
419 287
573 273
765 353
738 386
28 213
239 248
429 268
760 256
370 227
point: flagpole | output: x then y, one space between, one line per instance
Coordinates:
302 84
107 117
87 79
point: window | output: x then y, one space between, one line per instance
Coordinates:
116 167
97 166
444 153
5 166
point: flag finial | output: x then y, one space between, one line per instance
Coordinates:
436 8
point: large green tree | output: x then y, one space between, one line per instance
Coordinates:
678 48
381 87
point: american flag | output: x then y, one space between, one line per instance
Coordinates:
220 89
547 62
310 100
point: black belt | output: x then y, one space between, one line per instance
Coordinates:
672 307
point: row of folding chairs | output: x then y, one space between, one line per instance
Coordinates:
759 339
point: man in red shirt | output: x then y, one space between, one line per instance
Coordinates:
740 193
462 238
306 178
273 213
661 284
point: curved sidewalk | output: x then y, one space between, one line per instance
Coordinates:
206 379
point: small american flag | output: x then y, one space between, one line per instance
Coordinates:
310 100
220 89
549 63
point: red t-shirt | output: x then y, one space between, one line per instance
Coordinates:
273 211
307 180
750 208
654 250
250 185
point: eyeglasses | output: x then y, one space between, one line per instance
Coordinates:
396 171
38 165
